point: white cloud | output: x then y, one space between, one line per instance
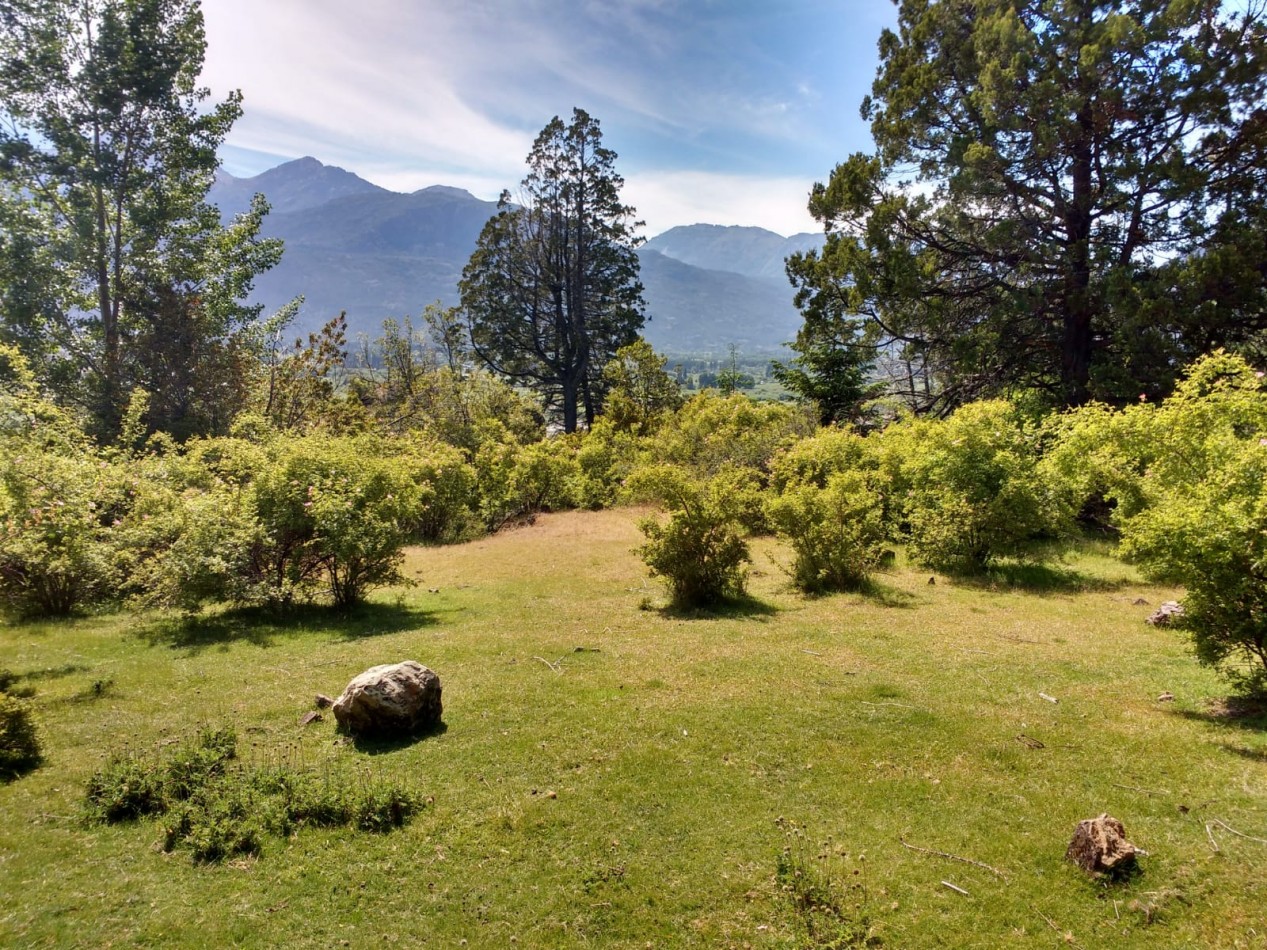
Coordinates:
667 199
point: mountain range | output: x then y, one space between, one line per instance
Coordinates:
353 246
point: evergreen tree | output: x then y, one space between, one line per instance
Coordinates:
552 290
1050 177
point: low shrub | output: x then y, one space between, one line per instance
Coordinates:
216 807
698 551
836 531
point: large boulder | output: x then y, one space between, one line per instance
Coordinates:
1099 846
396 699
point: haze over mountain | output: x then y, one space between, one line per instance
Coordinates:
353 246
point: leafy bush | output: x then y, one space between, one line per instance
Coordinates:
713 432
19 741
969 489
698 551
1196 514
836 531
517 481
641 395
813 460
58 496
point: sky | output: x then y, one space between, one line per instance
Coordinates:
720 111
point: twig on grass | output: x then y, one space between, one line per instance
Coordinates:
1210 834
812 652
953 857
1065 934
900 705
1050 699
956 888
1226 827
1030 742
553 666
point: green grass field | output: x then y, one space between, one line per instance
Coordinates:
618 776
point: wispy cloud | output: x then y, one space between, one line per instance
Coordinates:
434 91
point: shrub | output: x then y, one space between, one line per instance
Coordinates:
836 531
969 489
1198 515
713 432
56 553
215 808
19 741
698 551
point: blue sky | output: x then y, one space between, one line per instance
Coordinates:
721 111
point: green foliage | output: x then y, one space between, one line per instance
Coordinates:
19 739
58 500
123 275
698 551
836 531
969 488
712 432
216 808
1188 478
640 395
1037 167
517 481
552 290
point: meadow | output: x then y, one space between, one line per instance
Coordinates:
787 772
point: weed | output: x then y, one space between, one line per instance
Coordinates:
828 913
217 808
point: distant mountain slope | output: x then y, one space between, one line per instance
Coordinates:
353 246
753 252
294 186
698 311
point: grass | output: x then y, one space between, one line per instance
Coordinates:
614 776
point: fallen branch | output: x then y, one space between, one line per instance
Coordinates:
1050 699
956 888
1031 743
1226 827
1065 935
1210 834
812 652
552 666
954 857
900 705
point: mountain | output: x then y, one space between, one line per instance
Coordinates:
294 186
353 246
694 311
753 252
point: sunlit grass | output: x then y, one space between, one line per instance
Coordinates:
615 776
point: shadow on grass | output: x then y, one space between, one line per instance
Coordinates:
382 745
1240 711
1033 578
747 608
262 626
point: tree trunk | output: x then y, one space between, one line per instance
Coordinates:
1076 337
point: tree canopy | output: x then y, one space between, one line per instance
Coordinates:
114 272
1066 196
552 290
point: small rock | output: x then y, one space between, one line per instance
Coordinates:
1099 846
1166 613
932 581
552 794
323 701
310 717
1166 697
390 700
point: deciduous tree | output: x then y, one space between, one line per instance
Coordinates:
107 150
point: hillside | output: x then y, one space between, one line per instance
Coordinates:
351 245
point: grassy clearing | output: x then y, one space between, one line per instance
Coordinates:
617 776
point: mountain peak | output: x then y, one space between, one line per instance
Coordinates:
446 191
